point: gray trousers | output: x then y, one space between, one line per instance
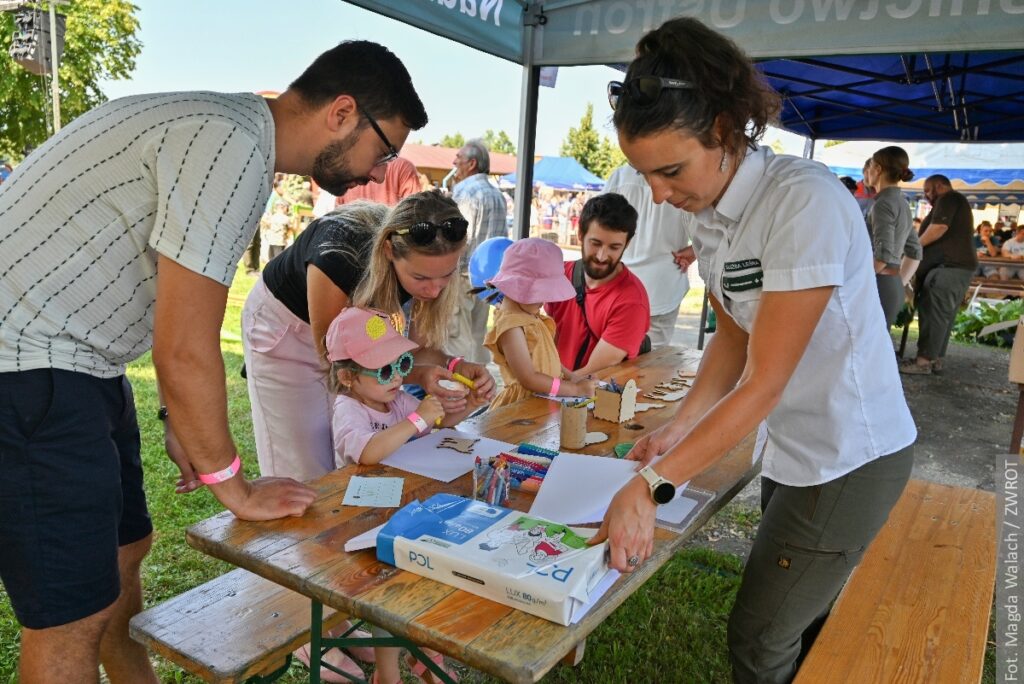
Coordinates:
890 291
941 293
663 327
808 542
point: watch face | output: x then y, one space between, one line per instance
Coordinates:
664 493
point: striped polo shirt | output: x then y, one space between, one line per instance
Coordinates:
82 220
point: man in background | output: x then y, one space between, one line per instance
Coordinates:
607 321
483 206
944 275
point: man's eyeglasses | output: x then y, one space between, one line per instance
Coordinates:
424 232
643 91
402 366
392 153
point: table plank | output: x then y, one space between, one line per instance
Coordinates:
306 554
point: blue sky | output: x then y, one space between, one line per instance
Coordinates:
231 46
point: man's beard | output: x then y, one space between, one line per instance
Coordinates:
598 271
331 170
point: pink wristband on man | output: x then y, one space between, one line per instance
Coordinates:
417 420
221 475
555 384
454 362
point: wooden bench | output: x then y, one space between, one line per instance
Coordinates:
233 628
917 607
995 288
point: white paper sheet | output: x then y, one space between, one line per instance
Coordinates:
366 540
578 488
376 492
596 593
423 457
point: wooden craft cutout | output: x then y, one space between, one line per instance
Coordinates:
661 395
640 408
463 446
687 373
615 407
595 438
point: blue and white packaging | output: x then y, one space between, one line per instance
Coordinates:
538 566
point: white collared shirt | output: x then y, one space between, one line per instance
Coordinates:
783 224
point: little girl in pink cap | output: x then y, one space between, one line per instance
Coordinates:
373 416
523 339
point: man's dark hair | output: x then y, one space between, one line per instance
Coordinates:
371 74
850 184
938 178
613 211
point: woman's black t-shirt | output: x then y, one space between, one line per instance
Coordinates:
338 248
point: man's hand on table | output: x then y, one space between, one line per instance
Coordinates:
265 498
189 479
629 527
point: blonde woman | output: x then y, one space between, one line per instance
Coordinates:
408 263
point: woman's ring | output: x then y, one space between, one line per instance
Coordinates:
633 561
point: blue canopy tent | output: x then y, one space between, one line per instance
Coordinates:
847 69
561 173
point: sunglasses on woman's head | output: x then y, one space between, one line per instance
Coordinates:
402 366
643 91
424 232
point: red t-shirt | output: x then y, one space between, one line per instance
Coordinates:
618 311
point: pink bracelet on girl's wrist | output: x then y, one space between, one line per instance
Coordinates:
454 362
221 475
417 420
555 384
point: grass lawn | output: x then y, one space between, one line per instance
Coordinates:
675 624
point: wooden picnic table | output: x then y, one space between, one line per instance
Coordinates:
306 554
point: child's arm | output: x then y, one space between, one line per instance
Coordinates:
512 343
386 442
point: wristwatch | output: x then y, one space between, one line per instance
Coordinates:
662 491
161 413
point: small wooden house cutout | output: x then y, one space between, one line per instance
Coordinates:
616 407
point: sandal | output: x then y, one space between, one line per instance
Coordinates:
336 659
914 368
419 670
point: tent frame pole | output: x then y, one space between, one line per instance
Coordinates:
529 95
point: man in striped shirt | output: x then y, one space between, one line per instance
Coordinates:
120 234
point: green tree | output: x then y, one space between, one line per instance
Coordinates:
597 153
452 141
99 44
499 142
583 143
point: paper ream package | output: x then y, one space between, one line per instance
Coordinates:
538 566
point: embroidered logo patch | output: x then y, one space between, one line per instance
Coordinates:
742 275
784 562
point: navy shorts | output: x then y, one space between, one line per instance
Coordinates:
70 492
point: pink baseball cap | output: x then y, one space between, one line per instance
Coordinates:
533 271
368 337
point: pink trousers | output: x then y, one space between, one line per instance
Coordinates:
291 407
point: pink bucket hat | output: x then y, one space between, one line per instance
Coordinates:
533 271
368 337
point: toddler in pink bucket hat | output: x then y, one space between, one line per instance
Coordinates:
523 339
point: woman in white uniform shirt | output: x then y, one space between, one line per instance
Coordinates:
801 343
